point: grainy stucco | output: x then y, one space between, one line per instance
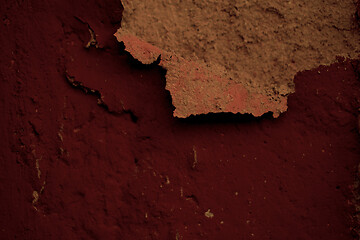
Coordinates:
237 56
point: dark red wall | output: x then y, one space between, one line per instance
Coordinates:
123 169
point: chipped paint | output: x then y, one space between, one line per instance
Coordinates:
236 57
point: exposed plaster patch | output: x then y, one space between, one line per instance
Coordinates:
236 57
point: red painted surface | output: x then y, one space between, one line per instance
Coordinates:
111 173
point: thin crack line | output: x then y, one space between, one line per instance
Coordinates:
100 100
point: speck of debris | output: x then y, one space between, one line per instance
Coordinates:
209 214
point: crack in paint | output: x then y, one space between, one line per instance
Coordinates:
92 41
100 100
36 195
195 158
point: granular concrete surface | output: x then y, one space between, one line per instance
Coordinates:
90 147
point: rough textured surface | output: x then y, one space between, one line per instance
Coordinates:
236 56
90 150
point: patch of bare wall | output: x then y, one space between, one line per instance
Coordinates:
237 56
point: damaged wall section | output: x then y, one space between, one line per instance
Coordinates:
237 57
